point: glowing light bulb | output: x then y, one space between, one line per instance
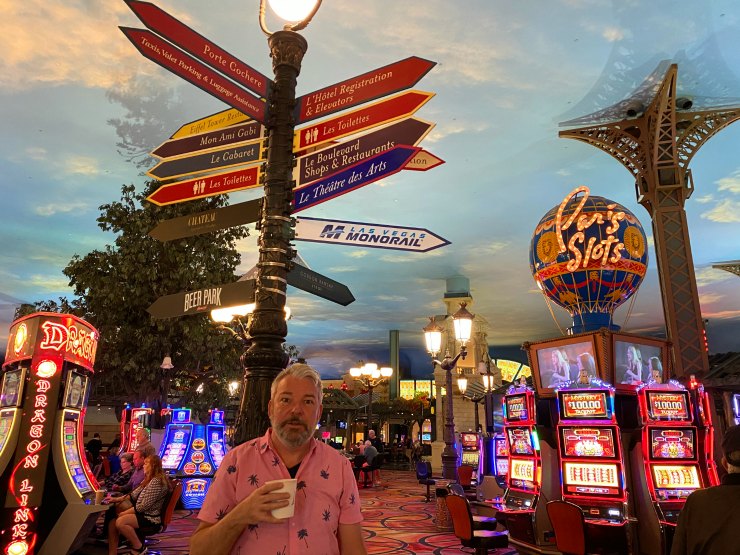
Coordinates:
292 10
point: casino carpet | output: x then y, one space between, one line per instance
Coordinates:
397 521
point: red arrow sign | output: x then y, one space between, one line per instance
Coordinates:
378 113
183 36
363 88
206 186
178 62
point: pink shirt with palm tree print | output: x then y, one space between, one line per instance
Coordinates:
326 496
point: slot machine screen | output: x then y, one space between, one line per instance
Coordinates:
592 405
179 440
216 444
469 441
668 405
6 423
585 441
591 478
675 480
516 408
520 441
72 457
502 455
673 443
521 473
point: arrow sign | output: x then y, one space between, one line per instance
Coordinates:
212 139
201 300
423 161
360 234
378 113
209 161
361 174
219 120
363 88
323 162
211 220
206 186
184 37
190 69
321 286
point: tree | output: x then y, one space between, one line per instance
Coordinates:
114 287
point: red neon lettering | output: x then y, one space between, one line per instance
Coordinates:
33 446
40 401
43 386
31 461
26 486
20 531
38 416
24 499
37 430
55 336
22 515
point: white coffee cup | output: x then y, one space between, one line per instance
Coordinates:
288 485
99 496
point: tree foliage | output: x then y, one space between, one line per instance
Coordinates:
115 285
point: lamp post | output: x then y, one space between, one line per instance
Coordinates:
267 328
370 376
463 323
489 384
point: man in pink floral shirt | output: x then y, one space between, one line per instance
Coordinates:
236 517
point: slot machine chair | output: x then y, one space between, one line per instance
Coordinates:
424 476
465 475
569 526
469 536
480 522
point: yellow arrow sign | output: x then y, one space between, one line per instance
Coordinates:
219 120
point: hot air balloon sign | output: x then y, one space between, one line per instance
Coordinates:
589 255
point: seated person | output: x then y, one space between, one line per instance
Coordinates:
370 452
121 477
145 510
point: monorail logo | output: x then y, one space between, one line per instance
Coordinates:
332 232
369 235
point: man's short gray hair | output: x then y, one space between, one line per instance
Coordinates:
299 370
129 457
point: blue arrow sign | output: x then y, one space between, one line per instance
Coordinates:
361 174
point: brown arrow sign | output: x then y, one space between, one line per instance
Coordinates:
205 222
202 300
210 160
213 139
321 286
335 158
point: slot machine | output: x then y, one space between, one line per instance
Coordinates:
470 450
132 418
592 462
186 454
500 465
525 517
702 417
49 506
215 435
665 463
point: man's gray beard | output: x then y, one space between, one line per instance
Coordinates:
292 439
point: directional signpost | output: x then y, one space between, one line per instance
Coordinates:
361 174
183 36
378 113
374 84
190 69
209 160
212 139
206 186
210 220
359 234
338 157
201 300
423 161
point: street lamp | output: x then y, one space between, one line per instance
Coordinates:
370 376
489 384
462 321
265 357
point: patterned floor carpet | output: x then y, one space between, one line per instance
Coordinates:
397 521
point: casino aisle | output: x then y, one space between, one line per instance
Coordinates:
397 521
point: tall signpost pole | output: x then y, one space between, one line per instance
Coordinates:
265 357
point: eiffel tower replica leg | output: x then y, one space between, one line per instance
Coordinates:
656 143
